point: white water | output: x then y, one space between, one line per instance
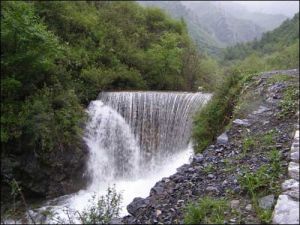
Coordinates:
134 139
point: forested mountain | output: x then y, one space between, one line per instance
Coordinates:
56 57
277 49
215 25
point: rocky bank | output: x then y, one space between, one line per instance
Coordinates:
262 125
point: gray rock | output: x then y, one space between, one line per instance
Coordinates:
222 139
266 202
248 207
211 176
293 170
261 109
234 204
198 158
293 194
243 122
212 189
295 156
116 221
286 211
290 184
136 204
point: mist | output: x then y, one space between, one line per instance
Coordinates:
287 8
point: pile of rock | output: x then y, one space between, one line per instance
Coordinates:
287 208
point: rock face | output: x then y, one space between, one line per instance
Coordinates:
57 173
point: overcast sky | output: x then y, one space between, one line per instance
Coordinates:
288 8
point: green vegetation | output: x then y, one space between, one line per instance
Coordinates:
206 211
290 102
216 114
277 49
264 180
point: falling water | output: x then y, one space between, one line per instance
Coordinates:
135 139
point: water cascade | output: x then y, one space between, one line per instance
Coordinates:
135 139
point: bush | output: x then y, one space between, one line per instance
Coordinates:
211 120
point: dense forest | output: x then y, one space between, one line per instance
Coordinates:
58 56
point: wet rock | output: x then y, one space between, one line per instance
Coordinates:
136 204
286 211
266 202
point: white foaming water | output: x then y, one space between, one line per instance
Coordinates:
134 140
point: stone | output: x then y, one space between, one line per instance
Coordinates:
286 211
136 204
266 202
294 148
212 189
243 122
248 207
234 204
198 158
290 184
261 109
158 212
210 176
293 170
295 156
116 221
296 134
222 139
292 193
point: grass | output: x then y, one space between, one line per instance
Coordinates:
279 78
206 211
212 119
262 182
290 102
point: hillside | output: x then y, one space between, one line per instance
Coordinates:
215 25
277 49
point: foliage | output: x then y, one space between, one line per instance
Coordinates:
216 114
290 102
206 211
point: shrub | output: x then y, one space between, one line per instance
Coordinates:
216 114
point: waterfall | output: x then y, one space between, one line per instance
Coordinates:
134 139
132 132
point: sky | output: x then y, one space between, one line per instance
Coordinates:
287 8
